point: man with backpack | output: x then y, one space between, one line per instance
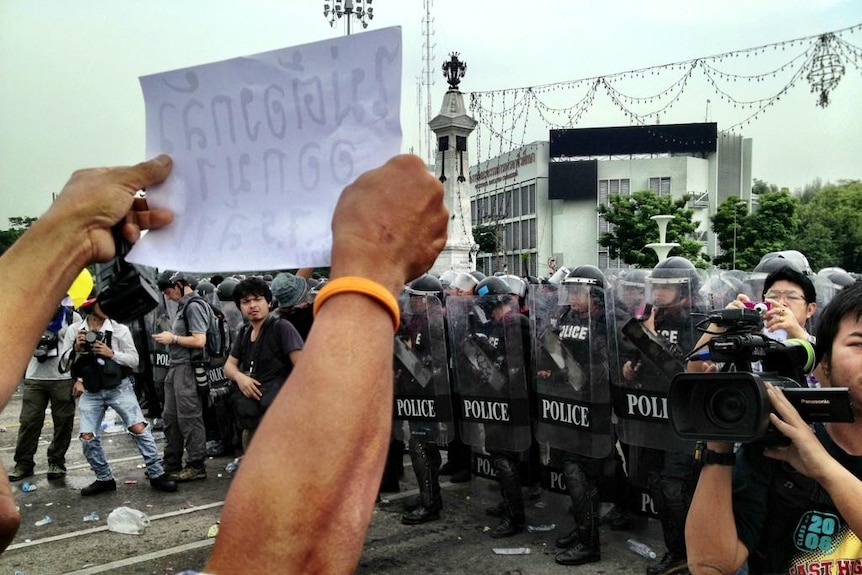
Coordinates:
262 357
183 410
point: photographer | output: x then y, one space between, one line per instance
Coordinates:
184 411
792 509
44 384
790 300
101 353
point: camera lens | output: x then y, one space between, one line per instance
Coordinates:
726 406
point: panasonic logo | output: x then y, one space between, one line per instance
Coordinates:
815 402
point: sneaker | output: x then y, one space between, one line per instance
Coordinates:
163 483
671 563
20 473
99 486
188 473
56 471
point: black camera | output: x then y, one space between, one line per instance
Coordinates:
733 405
128 291
93 337
47 346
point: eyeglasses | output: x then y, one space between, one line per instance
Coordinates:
790 296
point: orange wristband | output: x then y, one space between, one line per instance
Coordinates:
364 286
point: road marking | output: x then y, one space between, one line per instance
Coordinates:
142 558
62 536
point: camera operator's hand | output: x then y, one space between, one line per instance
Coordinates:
78 388
249 386
102 350
80 340
781 317
805 453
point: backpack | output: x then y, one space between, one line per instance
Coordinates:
218 333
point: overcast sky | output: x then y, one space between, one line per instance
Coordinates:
70 98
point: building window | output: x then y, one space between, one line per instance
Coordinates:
660 186
516 202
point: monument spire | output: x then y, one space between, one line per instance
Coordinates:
451 127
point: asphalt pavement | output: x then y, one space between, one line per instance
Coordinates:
65 533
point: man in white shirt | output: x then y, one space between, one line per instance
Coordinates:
101 352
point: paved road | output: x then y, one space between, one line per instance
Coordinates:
177 537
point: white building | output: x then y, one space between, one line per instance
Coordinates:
542 198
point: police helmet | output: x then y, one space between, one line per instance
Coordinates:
838 276
517 286
634 278
447 277
793 258
464 282
492 285
225 289
205 288
478 275
585 275
676 270
426 284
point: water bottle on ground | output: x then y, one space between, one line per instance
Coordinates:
641 549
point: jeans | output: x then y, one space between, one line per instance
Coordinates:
184 419
122 399
38 393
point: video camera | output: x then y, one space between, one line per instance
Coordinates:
127 291
732 405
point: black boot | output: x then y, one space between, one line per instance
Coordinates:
586 549
510 485
426 465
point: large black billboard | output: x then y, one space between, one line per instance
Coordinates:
625 140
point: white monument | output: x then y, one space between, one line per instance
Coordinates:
452 126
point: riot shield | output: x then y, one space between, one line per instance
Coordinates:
722 287
489 339
649 353
570 338
423 403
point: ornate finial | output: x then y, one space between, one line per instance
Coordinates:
454 69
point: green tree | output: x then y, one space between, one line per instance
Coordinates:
17 226
486 237
830 229
773 227
633 228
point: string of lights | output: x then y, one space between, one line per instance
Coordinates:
821 61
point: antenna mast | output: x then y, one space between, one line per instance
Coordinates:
428 76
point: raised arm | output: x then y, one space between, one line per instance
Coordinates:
303 497
74 232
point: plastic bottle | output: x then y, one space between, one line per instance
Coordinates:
641 549
44 521
27 487
92 516
232 466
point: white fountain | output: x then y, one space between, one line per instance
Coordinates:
662 248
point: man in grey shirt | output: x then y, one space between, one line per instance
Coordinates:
183 410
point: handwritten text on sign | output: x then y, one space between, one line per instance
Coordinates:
262 147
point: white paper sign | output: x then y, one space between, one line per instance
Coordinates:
262 147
